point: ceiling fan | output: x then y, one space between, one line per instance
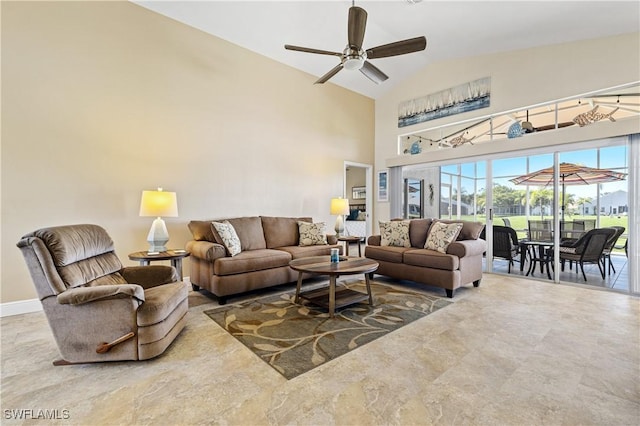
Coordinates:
354 57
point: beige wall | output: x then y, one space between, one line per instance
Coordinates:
518 79
103 100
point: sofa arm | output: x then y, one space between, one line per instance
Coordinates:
206 250
150 275
467 248
82 295
374 240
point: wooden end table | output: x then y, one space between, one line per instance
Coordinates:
351 239
175 256
321 265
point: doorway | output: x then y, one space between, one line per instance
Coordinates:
358 189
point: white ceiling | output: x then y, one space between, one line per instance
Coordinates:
453 29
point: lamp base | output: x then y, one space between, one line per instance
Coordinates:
158 236
339 225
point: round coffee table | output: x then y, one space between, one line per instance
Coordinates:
321 265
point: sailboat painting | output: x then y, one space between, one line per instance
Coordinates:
455 100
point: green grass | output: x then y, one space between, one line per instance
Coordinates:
519 223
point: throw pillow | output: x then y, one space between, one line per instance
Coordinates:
362 216
441 235
312 234
229 236
395 233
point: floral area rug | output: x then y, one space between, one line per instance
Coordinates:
295 338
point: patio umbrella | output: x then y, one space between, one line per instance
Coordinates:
570 174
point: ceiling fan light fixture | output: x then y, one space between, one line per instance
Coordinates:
353 63
353 59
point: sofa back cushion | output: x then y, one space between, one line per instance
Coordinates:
418 230
470 230
201 230
282 231
249 230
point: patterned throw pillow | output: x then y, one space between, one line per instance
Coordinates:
312 234
229 237
395 233
441 235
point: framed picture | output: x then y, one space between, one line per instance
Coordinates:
383 185
358 192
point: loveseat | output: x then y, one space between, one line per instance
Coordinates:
400 251
266 246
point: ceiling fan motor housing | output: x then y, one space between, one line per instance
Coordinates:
353 59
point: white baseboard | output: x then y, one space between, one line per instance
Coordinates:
20 307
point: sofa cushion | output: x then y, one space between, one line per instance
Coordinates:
312 234
252 260
418 231
249 230
441 235
229 237
431 259
282 231
201 230
395 233
386 253
470 230
297 252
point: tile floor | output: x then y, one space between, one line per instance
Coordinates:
513 351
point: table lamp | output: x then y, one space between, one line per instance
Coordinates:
340 207
158 203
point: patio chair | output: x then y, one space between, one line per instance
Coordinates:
624 247
540 230
505 244
606 253
506 221
588 249
97 309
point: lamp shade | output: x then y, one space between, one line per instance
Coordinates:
159 203
339 206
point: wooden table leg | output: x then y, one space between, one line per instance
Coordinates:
332 294
346 248
359 249
298 286
177 263
368 282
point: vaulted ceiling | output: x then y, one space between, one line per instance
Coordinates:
453 29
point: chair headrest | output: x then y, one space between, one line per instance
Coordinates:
72 243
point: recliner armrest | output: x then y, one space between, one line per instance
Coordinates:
82 295
206 250
150 275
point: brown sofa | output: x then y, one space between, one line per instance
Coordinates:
460 265
268 245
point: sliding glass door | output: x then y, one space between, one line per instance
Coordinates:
537 196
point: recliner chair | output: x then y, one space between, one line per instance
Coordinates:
97 309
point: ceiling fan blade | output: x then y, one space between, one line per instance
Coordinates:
330 74
356 26
310 50
373 73
398 48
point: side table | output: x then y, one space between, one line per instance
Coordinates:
175 256
348 240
